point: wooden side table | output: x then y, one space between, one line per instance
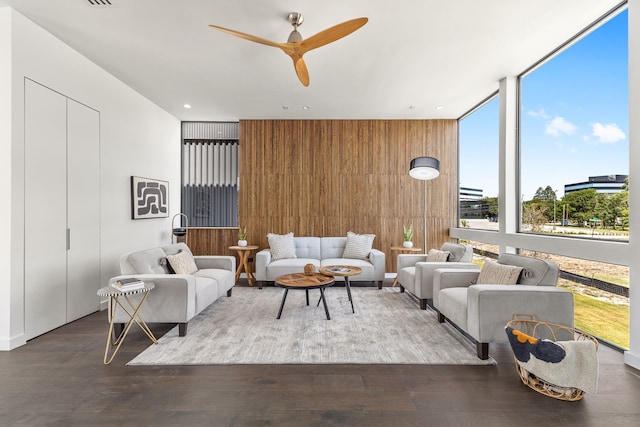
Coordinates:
343 271
243 264
403 250
132 309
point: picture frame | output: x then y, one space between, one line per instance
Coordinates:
149 198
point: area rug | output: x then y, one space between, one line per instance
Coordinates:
386 328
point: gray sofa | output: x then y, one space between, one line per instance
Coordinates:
415 274
176 298
482 311
319 251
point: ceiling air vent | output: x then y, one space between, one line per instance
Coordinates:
100 2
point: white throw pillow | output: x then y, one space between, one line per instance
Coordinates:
182 263
435 255
281 246
358 245
493 273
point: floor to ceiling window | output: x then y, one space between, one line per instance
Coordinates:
574 141
478 160
573 147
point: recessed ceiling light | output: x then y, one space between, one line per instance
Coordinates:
187 106
439 107
285 107
306 107
412 107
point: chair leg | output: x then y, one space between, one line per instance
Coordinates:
441 318
379 284
229 292
401 289
482 349
423 304
182 329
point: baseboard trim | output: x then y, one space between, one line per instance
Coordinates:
12 343
632 360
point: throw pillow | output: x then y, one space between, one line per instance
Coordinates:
182 263
493 273
435 255
358 246
167 267
281 246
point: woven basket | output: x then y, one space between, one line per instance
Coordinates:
529 325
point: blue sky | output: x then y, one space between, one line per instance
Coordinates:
574 119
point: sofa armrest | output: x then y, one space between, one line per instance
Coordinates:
377 258
490 307
425 275
409 260
444 278
173 299
222 262
263 258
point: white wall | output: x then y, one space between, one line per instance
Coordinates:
136 138
5 165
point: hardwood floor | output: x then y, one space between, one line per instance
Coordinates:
59 379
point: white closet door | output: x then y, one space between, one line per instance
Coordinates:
83 210
45 209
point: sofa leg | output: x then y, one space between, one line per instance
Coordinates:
441 318
379 284
401 289
182 329
423 304
229 292
482 348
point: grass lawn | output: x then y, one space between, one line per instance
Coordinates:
602 319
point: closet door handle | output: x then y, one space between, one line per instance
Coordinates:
68 238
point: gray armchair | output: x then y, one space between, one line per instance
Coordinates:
482 311
415 274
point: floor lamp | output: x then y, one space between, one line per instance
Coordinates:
424 169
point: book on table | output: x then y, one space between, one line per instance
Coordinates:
340 270
128 284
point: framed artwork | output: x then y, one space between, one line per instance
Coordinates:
149 198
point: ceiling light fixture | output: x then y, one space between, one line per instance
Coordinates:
306 107
187 105
439 107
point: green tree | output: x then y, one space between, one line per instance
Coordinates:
492 204
581 204
544 198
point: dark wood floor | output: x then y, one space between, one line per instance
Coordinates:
59 379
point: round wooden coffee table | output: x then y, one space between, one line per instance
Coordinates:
302 281
343 271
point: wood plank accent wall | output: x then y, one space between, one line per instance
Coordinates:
327 177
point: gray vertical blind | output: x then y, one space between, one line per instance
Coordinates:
210 174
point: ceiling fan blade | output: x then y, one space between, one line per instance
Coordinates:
301 71
248 37
331 34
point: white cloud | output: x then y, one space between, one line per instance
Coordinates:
559 126
540 113
609 133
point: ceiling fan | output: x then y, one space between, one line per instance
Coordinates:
296 46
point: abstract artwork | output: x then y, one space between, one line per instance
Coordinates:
149 198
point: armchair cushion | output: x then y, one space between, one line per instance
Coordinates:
358 246
499 274
435 255
281 246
